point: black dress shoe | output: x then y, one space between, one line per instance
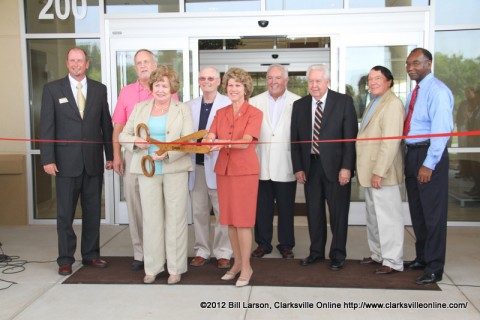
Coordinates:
414 265
336 265
429 278
311 260
137 265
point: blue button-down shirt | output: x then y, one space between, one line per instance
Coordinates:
432 114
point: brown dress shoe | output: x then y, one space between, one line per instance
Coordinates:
223 263
369 260
385 270
97 263
259 252
198 261
286 252
65 270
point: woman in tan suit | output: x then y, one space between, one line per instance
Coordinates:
164 195
380 172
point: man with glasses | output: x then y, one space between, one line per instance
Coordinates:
202 180
429 111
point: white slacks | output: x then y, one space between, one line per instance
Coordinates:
385 227
203 199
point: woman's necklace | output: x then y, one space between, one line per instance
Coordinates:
162 108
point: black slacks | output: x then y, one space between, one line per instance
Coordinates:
318 189
428 204
283 194
68 191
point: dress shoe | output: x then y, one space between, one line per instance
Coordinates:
229 275
311 260
260 252
198 261
414 265
149 279
174 278
286 252
65 269
242 282
137 265
97 263
336 265
223 263
385 270
369 260
429 278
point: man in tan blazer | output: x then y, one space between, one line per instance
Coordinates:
380 172
277 182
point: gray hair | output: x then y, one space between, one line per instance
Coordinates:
322 67
217 73
279 66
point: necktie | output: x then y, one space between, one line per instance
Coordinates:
80 99
406 126
316 128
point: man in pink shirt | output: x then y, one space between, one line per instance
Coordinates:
130 95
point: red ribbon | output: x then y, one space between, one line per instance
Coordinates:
433 135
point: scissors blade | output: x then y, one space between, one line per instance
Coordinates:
182 148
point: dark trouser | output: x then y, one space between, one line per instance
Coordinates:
283 194
68 190
428 205
318 189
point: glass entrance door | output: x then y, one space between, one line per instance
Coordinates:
168 51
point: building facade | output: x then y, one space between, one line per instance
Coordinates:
351 36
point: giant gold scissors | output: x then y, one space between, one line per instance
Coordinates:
169 146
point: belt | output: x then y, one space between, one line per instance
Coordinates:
421 144
314 156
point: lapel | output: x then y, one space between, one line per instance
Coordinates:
67 92
173 113
364 125
91 92
285 110
217 104
329 108
376 111
196 109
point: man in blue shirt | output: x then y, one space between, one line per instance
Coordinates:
429 111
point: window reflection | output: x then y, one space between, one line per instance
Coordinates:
386 3
221 6
137 7
43 17
448 12
303 5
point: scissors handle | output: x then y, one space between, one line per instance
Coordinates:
143 126
152 165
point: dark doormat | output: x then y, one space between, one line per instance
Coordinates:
266 272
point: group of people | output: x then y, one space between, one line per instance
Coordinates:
259 149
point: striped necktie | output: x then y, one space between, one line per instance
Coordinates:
316 128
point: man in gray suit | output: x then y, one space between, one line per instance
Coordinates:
277 182
75 114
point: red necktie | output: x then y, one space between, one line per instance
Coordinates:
406 126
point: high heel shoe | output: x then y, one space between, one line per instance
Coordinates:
242 282
149 279
229 275
174 278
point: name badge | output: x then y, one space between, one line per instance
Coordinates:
63 100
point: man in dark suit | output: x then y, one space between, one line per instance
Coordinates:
324 168
75 109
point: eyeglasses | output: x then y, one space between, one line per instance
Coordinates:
211 79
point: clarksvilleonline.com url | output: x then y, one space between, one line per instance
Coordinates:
331 305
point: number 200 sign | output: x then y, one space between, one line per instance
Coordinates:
79 12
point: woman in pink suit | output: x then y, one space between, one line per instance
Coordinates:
235 127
